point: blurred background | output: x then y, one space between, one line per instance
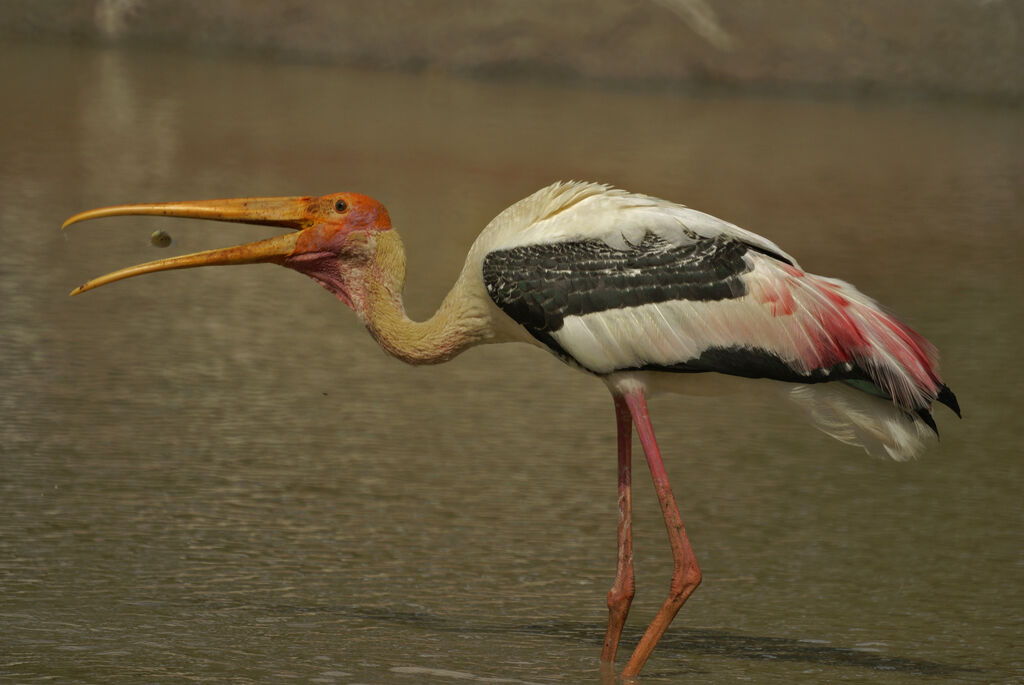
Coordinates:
217 474
895 47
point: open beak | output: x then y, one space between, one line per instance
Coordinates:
295 213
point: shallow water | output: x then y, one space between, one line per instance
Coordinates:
216 474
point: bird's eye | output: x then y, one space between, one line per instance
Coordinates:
340 206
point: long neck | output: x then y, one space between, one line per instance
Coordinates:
459 322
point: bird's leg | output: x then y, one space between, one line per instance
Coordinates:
686 573
621 594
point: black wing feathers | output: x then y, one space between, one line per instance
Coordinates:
540 285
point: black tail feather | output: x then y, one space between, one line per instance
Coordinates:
926 416
947 398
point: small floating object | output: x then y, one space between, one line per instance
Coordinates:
161 239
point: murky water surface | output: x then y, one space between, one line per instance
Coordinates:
217 475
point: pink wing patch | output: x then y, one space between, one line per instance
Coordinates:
831 323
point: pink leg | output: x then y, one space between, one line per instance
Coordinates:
621 594
686 573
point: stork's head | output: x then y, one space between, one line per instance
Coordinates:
338 238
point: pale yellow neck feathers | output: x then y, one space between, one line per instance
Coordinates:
445 334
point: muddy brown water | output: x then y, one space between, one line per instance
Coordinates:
217 475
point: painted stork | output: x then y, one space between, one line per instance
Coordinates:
640 292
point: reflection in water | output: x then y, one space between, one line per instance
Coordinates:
217 474
125 126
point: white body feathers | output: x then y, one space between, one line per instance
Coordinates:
809 322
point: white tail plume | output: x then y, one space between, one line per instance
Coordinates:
857 418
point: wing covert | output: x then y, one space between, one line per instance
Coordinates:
542 285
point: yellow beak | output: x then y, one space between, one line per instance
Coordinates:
292 212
